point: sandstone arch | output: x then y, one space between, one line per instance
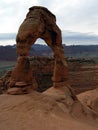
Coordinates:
41 23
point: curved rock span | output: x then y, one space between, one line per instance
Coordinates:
54 108
39 23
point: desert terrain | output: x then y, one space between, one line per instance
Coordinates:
40 112
46 93
82 73
48 108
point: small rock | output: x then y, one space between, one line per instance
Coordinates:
14 91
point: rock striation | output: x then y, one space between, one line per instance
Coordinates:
39 23
21 78
56 107
41 111
90 99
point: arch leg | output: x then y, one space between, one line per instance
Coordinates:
60 75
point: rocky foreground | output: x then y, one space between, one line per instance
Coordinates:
54 109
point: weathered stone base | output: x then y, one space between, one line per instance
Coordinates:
20 90
60 84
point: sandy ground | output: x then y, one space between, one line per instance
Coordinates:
37 111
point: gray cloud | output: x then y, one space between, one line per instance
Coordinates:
74 15
12 14
81 16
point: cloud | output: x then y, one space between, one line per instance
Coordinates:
12 14
79 16
74 15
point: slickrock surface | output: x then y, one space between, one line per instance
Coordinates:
90 98
40 111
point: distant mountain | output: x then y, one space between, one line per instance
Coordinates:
9 52
81 51
78 45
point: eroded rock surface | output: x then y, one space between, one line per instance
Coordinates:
41 111
90 98
4 81
41 23
22 77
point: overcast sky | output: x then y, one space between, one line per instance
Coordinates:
72 15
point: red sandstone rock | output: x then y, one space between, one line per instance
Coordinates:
41 23
21 80
20 89
14 91
90 98
20 84
37 111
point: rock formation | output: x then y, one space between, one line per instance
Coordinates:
21 77
4 81
38 111
54 108
40 23
22 72
90 98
